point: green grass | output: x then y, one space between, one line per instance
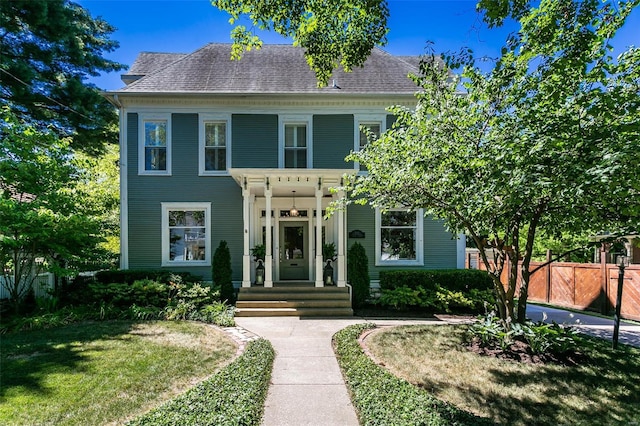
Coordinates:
603 391
233 397
380 398
103 372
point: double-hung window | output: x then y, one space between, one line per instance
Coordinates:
367 126
295 143
154 155
399 238
215 144
186 234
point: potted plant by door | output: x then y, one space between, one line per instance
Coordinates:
259 253
328 256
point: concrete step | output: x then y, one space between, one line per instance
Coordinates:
294 312
273 304
294 300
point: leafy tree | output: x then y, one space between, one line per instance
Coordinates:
549 140
45 221
221 272
332 32
101 182
47 50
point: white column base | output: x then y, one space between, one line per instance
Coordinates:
268 271
246 271
319 274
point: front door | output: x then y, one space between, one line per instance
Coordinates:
294 247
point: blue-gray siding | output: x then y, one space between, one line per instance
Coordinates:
255 140
146 193
254 144
332 141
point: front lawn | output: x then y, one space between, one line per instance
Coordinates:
103 372
603 390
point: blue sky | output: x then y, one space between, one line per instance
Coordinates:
183 26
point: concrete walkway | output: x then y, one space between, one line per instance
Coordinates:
307 387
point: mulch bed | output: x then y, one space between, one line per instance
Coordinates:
520 351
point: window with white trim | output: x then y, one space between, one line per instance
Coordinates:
399 238
215 144
366 124
154 154
295 143
186 234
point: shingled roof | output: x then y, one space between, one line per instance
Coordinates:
273 69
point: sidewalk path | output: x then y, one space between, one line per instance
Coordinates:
307 388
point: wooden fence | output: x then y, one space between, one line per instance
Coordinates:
584 286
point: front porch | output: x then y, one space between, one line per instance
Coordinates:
294 230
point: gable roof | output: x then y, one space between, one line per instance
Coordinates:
273 69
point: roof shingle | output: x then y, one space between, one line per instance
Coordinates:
271 69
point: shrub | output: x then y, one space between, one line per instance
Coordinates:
541 337
221 272
381 398
453 279
458 290
128 276
234 396
358 273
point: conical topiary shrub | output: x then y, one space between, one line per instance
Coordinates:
358 273
221 272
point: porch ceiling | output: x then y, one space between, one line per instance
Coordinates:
283 181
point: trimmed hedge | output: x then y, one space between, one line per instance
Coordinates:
234 396
380 398
128 276
451 279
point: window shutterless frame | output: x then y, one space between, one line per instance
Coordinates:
399 238
295 141
154 144
214 144
377 123
186 234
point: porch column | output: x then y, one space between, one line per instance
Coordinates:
268 259
319 275
246 258
342 224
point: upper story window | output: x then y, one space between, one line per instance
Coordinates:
367 126
399 238
295 143
215 144
154 154
186 230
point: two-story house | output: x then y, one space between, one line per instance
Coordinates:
247 151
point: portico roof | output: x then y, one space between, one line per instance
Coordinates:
283 181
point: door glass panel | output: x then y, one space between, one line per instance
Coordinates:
294 242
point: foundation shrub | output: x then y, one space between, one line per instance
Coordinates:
358 273
457 290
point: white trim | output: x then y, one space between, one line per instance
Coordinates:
419 261
206 206
358 120
307 120
204 118
461 249
124 195
141 147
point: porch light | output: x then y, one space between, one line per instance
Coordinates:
293 212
